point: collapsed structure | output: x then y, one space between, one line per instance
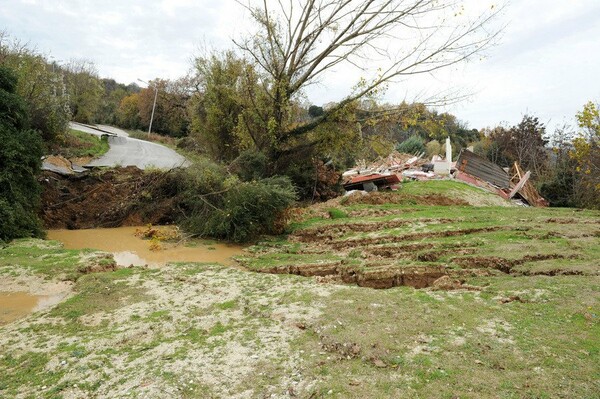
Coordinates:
387 173
512 184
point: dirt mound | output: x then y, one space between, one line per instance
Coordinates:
98 263
375 212
483 262
502 264
378 276
356 242
381 198
100 199
329 232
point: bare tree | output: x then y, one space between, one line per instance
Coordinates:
298 41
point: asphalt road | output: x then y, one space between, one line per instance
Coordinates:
127 151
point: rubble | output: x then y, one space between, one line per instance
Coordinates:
476 170
385 172
60 165
389 172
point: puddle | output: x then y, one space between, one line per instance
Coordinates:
131 250
15 305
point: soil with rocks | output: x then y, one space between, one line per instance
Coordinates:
110 198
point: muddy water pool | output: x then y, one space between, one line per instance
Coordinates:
15 305
128 249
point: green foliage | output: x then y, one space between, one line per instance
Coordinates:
20 155
524 143
314 180
250 209
85 90
215 109
586 154
433 148
74 144
170 113
413 145
216 204
128 113
113 94
335 213
315 111
250 165
40 85
559 185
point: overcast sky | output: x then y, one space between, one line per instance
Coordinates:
547 62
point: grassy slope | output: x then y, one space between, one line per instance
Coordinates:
209 331
76 144
520 231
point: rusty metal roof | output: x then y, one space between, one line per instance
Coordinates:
390 179
483 169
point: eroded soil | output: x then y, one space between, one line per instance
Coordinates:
108 198
387 247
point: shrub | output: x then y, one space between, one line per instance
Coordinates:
250 165
213 203
243 211
433 148
413 145
20 154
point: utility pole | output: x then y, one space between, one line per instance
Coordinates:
153 105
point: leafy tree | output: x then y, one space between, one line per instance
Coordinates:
524 143
295 45
413 145
560 184
586 153
85 90
128 113
315 111
20 155
40 84
433 148
112 95
217 104
170 114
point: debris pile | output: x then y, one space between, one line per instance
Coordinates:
60 165
385 172
389 172
476 170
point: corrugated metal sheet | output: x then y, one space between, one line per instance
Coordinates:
356 183
391 179
483 169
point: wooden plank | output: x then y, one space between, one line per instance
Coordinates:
520 184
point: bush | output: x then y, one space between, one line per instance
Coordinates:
20 154
213 203
250 209
433 148
413 145
250 165
335 213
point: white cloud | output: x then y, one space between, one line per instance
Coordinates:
546 63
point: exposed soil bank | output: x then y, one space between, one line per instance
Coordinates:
108 198
128 249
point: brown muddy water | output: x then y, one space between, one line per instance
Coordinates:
15 305
128 249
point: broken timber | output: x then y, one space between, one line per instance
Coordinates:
476 170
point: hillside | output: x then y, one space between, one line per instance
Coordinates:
515 313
